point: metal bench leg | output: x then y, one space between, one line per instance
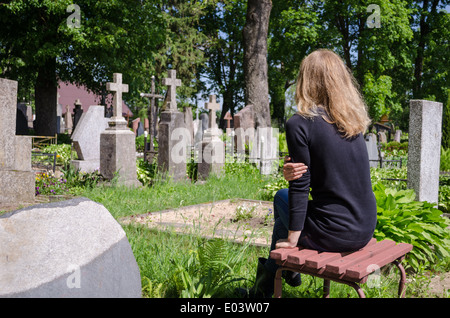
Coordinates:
358 289
326 288
277 289
401 284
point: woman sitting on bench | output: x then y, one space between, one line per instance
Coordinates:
327 155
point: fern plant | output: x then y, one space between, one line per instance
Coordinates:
208 270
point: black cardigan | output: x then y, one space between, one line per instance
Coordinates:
342 213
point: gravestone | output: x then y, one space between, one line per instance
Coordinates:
198 129
424 146
17 180
68 120
67 249
21 121
212 159
228 118
77 112
59 117
117 142
372 150
172 137
244 130
267 150
398 135
30 117
153 116
382 137
86 139
204 118
137 127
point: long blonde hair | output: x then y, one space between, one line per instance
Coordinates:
325 82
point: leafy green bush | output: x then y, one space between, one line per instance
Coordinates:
64 153
145 171
402 219
269 190
77 179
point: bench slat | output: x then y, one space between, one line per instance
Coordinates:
340 265
368 266
320 260
282 253
299 258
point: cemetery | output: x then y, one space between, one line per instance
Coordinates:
154 184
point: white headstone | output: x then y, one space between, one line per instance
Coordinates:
86 138
424 147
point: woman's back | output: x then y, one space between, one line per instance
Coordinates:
342 213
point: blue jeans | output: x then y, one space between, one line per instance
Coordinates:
281 227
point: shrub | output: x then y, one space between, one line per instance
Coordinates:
64 153
402 219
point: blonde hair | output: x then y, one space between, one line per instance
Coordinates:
325 82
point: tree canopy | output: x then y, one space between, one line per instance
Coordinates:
397 49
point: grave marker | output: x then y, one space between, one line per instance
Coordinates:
424 146
213 148
172 137
17 180
172 82
152 115
68 120
86 139
117 142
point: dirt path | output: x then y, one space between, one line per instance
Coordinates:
217 219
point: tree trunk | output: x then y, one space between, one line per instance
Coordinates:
255 60
45 99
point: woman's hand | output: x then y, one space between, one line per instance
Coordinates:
293 171
290 242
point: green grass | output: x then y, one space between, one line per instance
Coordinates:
170 262
245 182
158 255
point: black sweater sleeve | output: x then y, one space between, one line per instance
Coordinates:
298 146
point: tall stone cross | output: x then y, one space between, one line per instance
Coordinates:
153 111
172 82
152 94
212 106
118 87
197 111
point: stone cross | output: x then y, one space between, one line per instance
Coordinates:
228 118
213 106
119 88
153 111
152 95
172 82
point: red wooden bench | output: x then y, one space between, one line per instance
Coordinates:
351 268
